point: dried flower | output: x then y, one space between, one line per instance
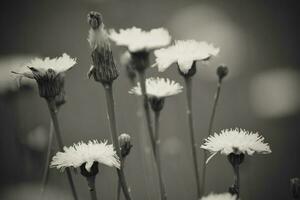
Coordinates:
125 144
223 196
48 73
158 87
87 154
237 141
185 53
103 69
137 40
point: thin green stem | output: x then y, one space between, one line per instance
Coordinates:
163 193
188 83
48 157
92 188
142 80
53 113
113 128
211 121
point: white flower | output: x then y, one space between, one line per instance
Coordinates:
59 65
88 153
136 39
158 87
223 196
236 141
184 53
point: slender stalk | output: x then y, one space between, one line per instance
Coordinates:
237 180
53 113
47 162
146 108
92 188
113 128
119 185
163 193
188 83
211 121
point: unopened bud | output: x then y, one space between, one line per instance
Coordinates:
125 144
295 187
94 19
222 72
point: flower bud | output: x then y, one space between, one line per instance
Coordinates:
222 72
126 62
94 19
93 171
295 187
125 144
157 104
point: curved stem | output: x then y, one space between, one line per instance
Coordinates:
48 157
146 108
163 193
188 83
92 188
113 128
53 113
211 121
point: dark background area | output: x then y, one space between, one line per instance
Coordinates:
259 41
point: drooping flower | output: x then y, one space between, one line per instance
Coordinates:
103 69
88 154
223 196
184 53
48 73
136 39
158 87
237 141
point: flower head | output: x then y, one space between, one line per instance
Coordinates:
184 53
103 68
49 73
158 87
86 153
236 141
136 39
223 196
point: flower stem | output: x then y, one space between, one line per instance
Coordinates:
113 128
211 121
119 185
188 83
163 192
92 188
53 113
48 156
237 180
142 80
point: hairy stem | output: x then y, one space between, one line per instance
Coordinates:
188 83
113 128
48 157
163 192
237 180
53 113
211 121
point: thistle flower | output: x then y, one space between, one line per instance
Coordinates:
48 73
236 141
158 87
185 53
223 196
103 69
88 154
136 39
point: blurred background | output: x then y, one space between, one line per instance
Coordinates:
259 41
